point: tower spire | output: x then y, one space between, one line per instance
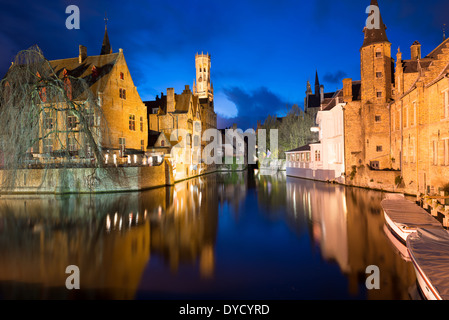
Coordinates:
317 83
377 32
106 46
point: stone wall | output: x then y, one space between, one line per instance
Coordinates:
87 180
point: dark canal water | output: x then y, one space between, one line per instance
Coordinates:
221 236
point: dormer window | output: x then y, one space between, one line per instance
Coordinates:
94 72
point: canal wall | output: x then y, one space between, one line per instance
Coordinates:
86 180
99 180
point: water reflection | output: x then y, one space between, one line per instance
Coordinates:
228 235
347 225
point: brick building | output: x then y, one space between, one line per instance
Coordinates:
123 125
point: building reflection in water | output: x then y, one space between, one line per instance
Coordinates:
110 237
347 225
154 242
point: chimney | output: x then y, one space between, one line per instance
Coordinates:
170 100
416 50
83 54
347 90
321 93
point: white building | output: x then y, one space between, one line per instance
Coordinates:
323 160
330 123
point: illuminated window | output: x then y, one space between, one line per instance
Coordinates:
132 122
71 145
71 122
122 93
48 145
48 121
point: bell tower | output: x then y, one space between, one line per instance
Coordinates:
376 62
203 87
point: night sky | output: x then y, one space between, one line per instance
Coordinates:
263 51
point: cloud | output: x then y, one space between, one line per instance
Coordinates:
335 77
253 105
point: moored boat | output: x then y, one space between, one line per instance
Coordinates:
403 217
429 252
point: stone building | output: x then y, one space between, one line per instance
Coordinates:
420 119
367 113
397 130
123 125
192 111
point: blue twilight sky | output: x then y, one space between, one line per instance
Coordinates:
263 51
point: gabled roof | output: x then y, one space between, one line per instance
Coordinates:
413 66
95 70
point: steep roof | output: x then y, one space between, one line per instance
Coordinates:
106 46
95 70
375 35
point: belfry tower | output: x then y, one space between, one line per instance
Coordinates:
203 86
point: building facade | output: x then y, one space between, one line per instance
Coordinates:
120 130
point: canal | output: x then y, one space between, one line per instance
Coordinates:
219 236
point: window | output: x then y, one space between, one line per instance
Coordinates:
446 104
307 157
379 94
48 145
71 144
374 165
406 120
122 144
155 110
435 153
162 143
122 93
90 118
317 156
378 53
142 144
71 122
413 122
379 148
48 121
412 150
393 122
132 122
122 76
378 74
446 152
141 124
377 118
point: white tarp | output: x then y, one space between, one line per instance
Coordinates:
430 250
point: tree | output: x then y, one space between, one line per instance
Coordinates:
49 114
293 129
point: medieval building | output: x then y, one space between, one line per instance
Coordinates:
397 134
123 123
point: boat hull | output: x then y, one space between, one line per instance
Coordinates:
425 286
